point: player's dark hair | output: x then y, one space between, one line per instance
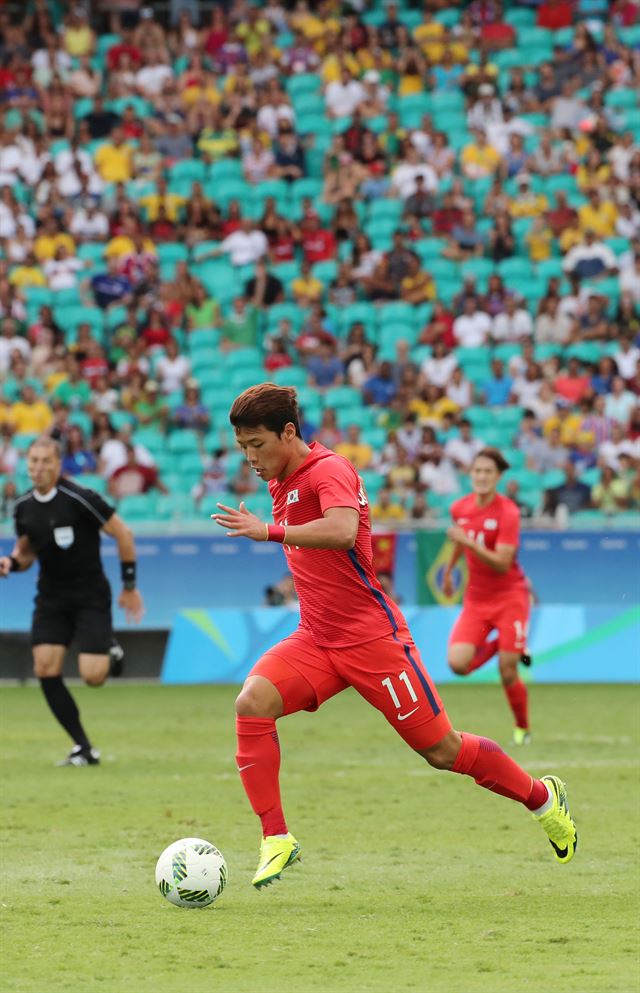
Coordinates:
44 441
266 405
496 457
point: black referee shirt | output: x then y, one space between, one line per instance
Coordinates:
63 529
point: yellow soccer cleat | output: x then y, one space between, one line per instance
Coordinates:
521 736
276 855
557 821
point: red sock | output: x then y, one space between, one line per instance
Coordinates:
519 702
258 759
491 768
483 653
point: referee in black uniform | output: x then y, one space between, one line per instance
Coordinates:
59 523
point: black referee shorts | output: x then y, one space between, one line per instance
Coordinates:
65 613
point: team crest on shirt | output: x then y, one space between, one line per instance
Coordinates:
490 524
293 497
63 537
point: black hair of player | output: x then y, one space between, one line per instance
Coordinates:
266 405
496 457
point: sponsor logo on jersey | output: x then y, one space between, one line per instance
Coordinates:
63 537
293 497
490 524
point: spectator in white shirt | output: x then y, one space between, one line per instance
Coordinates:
630 282
462 450
438 474
403 178
173 369
459 389
439 368
526 387
513 324
76 173
343 96
618 444
244 246
626 358
10 159
485 111
153 75
62 270
620 402
89 224
257 162
273 111
471 329
10 342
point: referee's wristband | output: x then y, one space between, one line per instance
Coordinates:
15 565
128 574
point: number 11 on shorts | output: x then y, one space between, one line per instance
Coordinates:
404 678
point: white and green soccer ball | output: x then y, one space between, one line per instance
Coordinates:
191 873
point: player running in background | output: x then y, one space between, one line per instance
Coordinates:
350 633
487 532
59 523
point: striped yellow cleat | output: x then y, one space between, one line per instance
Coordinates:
276 855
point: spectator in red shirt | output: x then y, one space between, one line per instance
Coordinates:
561 216
555 14
94 365
447 216
318 245
573 385
156 332
133 478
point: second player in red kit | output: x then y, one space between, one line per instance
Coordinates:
487 531
350 634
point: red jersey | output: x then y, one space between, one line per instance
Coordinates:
496 524
341 601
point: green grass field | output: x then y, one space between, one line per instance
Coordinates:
412 880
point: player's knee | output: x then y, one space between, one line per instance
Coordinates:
443 754
95 678
45 668
458 665
252 703
508 665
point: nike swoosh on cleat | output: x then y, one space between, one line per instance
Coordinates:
560 852
241 768
403 717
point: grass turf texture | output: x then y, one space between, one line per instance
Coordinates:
412 880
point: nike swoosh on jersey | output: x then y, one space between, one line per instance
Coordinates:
403 717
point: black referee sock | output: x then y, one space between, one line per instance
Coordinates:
64 709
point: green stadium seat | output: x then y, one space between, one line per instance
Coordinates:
545 350
93 482
480 268
23 440
515 269
506 351
363 417
189 463
391 333
303 82
242 379
289 376
364 312
151 439
82 420
182 441
590 476
325 271
549 269
172 252
588 519
589 352
242 358
139 506
397 312
429 248
342 396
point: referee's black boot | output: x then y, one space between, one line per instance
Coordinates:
116 659
82 756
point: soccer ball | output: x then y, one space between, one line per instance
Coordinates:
191 873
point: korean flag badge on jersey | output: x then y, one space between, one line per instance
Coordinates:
63 537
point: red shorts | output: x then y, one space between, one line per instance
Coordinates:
509 615
388 672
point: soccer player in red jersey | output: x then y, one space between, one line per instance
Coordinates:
486 531
350 634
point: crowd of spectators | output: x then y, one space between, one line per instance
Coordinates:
425 216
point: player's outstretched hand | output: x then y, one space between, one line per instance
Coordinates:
133 605
241 523
5 566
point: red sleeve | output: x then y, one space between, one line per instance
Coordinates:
336 483
455 509
509 530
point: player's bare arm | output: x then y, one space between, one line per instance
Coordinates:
336 530
22 557
447 579
130 599
500 559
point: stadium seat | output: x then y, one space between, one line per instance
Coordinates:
139 506
289 376
342 396
183 440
